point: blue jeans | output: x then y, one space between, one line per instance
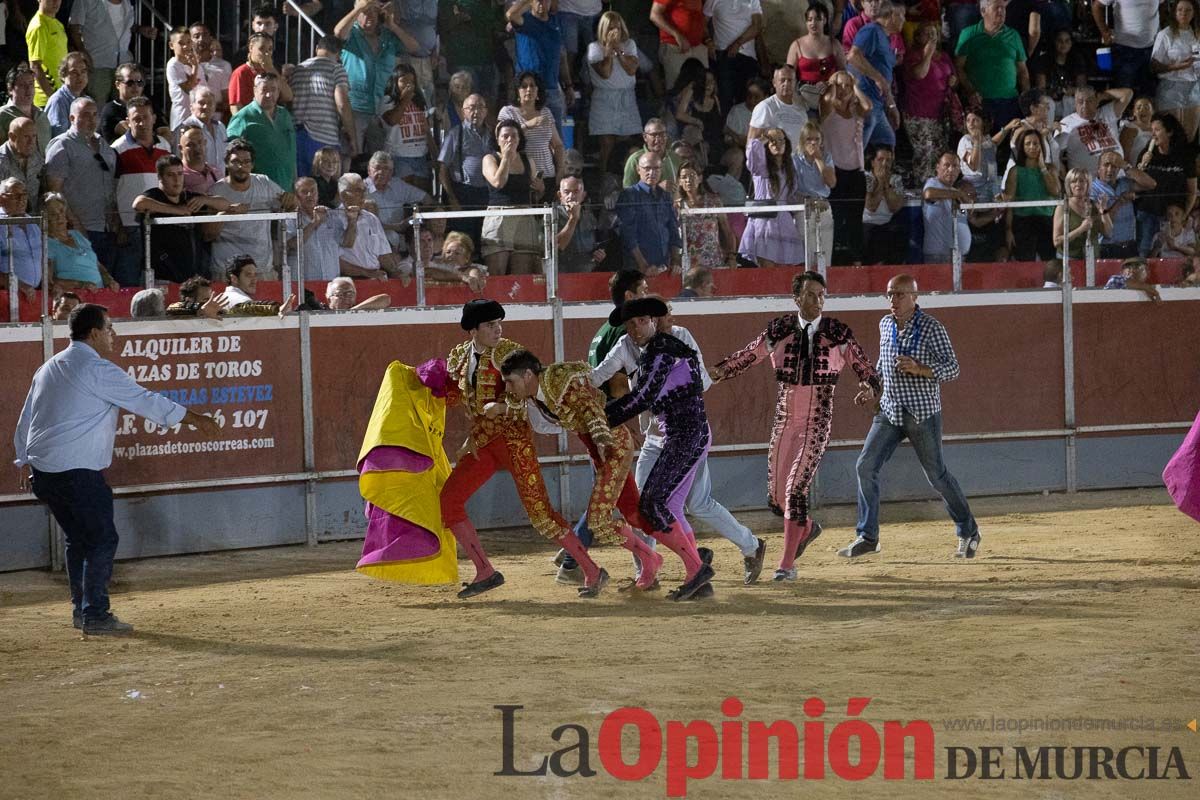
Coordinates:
578 31
1148 225
959 17
926 439
1001 111
877 129
556 101
83 506
104 245
1131 69
306 148
128 262
733 73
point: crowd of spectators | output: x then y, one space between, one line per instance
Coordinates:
621 116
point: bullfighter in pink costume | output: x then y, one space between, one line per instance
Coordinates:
808 352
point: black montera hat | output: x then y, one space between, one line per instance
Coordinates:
477 312
643 307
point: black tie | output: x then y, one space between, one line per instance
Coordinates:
804 342
550 415
474 367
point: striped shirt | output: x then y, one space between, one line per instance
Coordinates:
537 137
313 85
925 340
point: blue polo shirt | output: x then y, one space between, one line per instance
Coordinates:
876 47
539 48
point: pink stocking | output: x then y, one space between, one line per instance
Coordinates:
794 534
570 542
681 543
650 560
465 533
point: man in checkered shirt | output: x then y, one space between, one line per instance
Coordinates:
915 355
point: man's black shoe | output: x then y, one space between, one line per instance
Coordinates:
754 563
594 590
812 537
479 587
705 575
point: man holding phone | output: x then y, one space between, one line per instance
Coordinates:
915 356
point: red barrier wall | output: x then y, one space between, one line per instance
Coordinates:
1135 362
20 360
349 362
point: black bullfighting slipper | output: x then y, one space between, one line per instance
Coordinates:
594 589
812 537
704 576
479 587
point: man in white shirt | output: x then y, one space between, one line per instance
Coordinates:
784 109
217 70
1093 129
238 299
204 117
735 25
259 194
1131 36
368 253
65 436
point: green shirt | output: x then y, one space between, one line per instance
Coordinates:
1031 186
46 39
670 167
992 60
274 141
602 342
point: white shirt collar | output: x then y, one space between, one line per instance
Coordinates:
815 323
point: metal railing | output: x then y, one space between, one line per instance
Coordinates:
14 291
285 273
550 240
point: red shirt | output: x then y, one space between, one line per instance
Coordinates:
686 16
241 85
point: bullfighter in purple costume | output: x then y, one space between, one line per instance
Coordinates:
808 352
669 384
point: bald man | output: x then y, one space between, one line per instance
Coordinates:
915 357
20 158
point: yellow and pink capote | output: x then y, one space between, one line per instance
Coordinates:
402 467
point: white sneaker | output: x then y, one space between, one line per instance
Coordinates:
859 547
968 547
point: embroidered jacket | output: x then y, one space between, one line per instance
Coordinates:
833 345
487 387
578 405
